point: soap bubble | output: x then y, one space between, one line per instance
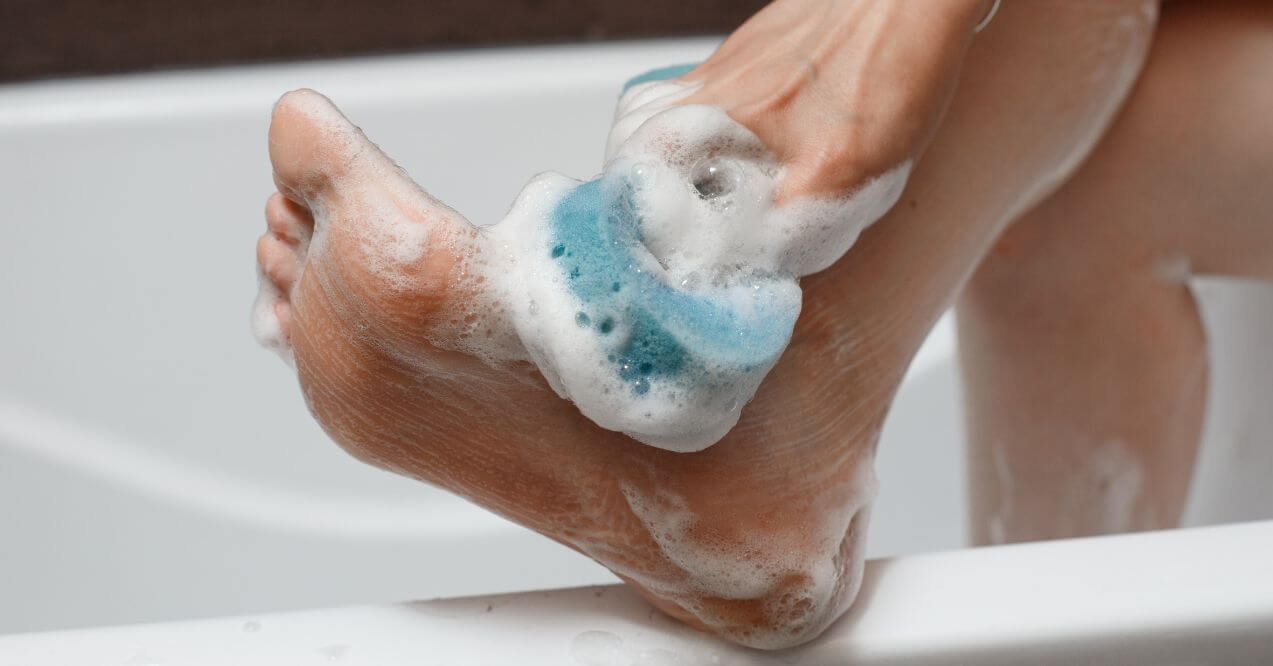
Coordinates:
641 174
715 177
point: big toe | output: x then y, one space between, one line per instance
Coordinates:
387 252
312 144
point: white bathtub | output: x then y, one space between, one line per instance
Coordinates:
156 465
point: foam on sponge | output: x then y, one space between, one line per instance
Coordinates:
658 295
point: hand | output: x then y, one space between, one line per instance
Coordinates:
841 90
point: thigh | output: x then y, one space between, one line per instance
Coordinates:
1080 342
1183 181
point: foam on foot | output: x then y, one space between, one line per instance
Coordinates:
794 579
267 326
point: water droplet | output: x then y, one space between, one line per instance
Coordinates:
251 626
606 326
334 652
559 250
642 387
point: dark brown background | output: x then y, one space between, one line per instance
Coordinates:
40 38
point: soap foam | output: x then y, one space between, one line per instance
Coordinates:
798 572
266 327
658 295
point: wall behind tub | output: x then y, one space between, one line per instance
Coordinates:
76 37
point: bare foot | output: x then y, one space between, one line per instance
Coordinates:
758 538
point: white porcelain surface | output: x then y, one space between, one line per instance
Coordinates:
1087 601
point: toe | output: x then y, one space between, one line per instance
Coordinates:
320 158
288 220
278 261
391 253
311 144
